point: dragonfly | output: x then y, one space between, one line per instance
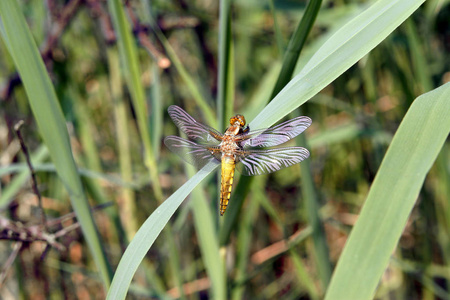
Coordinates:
237 146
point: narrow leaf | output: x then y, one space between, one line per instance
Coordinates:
50 120
392 196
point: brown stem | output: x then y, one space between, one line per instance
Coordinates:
9 262
33 173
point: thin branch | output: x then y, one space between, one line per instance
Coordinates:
190 288
71 215
105 20
67 229
17 231
59 25
33 173
9 262
142 34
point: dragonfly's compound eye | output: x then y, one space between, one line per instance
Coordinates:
238 118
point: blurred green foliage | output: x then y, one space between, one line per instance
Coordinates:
116 133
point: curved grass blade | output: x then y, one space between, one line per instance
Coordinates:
392 196
50 120
348 45
147 234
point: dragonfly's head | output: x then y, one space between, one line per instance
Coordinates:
239 119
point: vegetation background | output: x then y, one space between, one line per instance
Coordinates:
116 66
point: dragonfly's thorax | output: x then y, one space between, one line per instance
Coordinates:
228 145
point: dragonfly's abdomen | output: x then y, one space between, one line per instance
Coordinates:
228 166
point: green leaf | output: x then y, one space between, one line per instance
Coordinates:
50 120
392 196
225 84
348 45
147 234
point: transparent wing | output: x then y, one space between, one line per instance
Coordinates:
258 162
276 135
194 130
195 154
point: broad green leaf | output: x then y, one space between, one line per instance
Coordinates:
50 120
392 196
348 45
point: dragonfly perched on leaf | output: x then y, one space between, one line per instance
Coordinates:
235 146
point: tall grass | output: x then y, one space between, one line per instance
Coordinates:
371 76
50 120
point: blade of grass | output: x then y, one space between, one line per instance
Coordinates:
127 205
320 253
129 56
157 112
348 45
296 44
339 134
392 196
84 126
278 35
225 85
350 11
51 123
303 276
419 59
147 234
442 206
261 96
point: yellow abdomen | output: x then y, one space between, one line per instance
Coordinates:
228 166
